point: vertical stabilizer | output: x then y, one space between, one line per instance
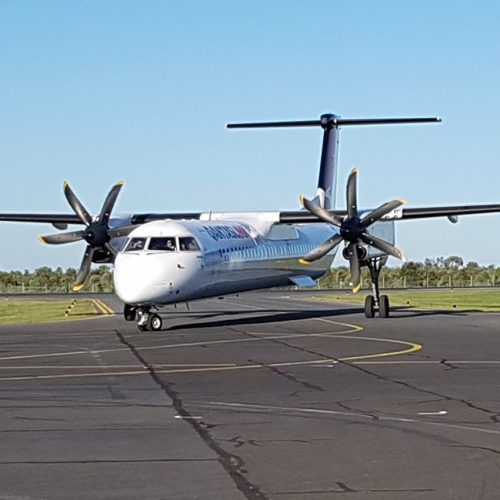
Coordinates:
327 181
330 123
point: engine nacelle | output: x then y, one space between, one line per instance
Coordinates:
362 253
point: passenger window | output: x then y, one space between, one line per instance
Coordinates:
136 244
188 244
162 244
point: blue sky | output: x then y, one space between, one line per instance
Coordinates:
93 92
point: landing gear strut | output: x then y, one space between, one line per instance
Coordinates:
145 319
372 302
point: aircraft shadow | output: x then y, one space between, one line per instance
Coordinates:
406 312
280 316
265 317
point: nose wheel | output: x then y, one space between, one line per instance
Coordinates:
147 321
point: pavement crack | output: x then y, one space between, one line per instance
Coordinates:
349 408
493 415
233 464
482 448
288 376
444 362
342 487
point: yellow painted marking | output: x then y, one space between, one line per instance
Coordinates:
302 198
412 347
103 307
403 201
354 170
98 306
172 346
41 239
87 367
356 289
77 288
356 328
303 261
208 368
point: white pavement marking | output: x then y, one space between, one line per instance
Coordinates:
429 413
374 418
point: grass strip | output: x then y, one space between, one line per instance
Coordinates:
23 311
458 300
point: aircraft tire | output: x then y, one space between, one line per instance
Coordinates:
154 323
383 310
369 306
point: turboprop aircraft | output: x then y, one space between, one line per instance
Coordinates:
167 258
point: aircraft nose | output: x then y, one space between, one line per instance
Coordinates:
141 278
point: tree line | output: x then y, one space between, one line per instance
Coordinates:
432 273
48 280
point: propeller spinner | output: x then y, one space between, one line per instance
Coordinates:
352 230
97 233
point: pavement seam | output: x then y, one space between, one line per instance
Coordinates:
232 464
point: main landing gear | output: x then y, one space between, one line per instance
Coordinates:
146 321
376 301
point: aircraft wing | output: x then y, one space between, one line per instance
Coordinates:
285 217
42 218
297 217
135 219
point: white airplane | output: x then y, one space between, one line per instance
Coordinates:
169 258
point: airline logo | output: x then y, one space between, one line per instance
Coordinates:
236 232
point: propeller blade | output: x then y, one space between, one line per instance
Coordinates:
110 201
110 249
379 212
321 250
76 205
62 238
121 231
320 212
84 268
352 194
383 246
355 267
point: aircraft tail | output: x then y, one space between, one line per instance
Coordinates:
330 123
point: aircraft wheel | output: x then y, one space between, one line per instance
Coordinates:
383 310
155 322
369 306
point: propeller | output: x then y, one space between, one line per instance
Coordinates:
97 233
352 230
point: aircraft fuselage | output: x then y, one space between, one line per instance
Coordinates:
232 257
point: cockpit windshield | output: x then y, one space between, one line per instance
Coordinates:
188 244
136 244
162 244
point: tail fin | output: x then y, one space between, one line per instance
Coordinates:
330 123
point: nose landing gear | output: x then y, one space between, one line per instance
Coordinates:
372 302
146 321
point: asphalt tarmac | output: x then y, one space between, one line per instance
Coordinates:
261 396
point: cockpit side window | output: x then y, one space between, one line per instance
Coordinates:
136 244
162 244
188 244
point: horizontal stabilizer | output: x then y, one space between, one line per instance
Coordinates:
330 121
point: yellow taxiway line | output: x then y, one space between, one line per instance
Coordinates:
409 348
